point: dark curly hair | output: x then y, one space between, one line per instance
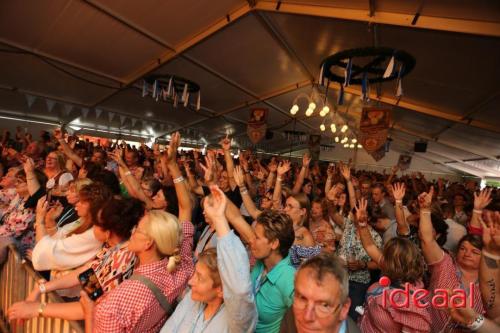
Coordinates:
120 216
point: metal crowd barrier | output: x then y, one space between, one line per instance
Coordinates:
17 279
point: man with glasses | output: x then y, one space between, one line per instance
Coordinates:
321 301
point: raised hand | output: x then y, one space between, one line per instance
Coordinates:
208 169
215 206
283 168
398 191
171 152
333 193
226 143
55 211
425 199
238 176
42 207
29 165
58 134
491 233
117 157
345 171
361 214
482 199
306 159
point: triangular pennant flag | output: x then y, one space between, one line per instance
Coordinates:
67 109
186 101
30 99
176 101
348 72
97 113
340 100
155 89
169 89
122 119
364 87
50 104
144 88
389 69
134 121
320 80
111 115
185 93
399 91
85 112
198 102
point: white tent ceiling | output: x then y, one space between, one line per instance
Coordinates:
93 54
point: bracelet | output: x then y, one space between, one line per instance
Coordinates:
128 173
279 179
399 201
41 286
491 256
425 211
477 211
179 179
41 308
243 191
477 323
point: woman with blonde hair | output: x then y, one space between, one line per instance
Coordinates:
163 245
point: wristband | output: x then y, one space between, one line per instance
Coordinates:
491 256
279 179
399 201
41 287
425 211
128 173
41 308
477 323
243 191
478 211
179 179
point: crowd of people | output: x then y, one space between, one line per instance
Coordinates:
155 239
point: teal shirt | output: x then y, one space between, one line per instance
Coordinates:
273 294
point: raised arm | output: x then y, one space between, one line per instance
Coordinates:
281 171
330 172
430 248
246 171
29 169
346 173
394 170
234 217
306 159
366 238
481 200
489 269
170 157
247 200
398 191
226 147
59 135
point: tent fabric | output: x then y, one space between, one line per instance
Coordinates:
246 54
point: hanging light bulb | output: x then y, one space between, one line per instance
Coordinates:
354 140
346 145
294 109
312 106
344 129
333 128
309 112
325 110
351 145
337 139
360 146
344 140
322 127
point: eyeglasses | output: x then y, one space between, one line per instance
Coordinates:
322 309
136 229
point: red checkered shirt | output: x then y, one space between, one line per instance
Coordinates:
444 276
132 307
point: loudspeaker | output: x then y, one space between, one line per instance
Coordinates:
420 147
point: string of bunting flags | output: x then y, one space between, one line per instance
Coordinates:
172 88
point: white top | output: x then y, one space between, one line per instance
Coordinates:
63 180
455 232
60 252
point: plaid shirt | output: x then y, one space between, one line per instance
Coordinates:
132 307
